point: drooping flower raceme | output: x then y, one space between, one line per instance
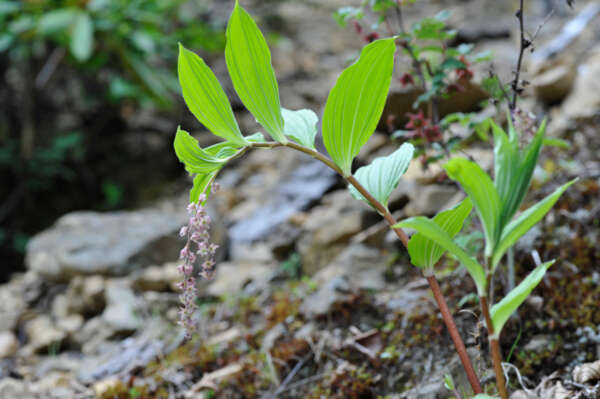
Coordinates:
198 246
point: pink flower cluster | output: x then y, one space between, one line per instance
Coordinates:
198 245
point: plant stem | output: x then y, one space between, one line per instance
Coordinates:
433 284
523 45
458 342
494 348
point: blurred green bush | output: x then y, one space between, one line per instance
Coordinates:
73 75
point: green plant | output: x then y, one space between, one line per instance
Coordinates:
496 203
102 34
352 111
429 66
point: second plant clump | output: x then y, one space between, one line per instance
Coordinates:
352 112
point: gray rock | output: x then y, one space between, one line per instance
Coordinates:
42 334
157 278
88 243
121 311
328 228
8 344
11 388
304 185
360 265
231 277
83 243
12 306
321 302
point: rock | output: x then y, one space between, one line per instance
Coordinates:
520 394
42 334
157 278
321 302
11 388
538 343
430 199
587 372
121 307
328 228
8 344
12 306
70 324
110 384
554 84
55 385
582 105
87 243
93 333
122 357
232 277
361 266
305 184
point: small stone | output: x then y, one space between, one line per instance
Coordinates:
111 384
42 333
232 277
538 343
121 307
587 372
11 388
158 278
70 324
8 344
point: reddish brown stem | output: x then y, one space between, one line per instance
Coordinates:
435 287
494 349
458 342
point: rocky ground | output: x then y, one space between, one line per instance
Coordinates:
313 296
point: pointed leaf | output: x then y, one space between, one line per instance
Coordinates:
56 20
423 251
382 176
82 37
205 97
479 187
301 126
195 159
502 310
522 177
356 102
202 185
525 221
434 232
506 163
249 63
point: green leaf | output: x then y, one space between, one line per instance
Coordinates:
356 102
202 185
434 232
301 126
382 176
423 251
525 221
522 177
484 396
344 14
249 63
82 37
506 163
502 310
479 187
452 63
196 159
205 97
56 20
